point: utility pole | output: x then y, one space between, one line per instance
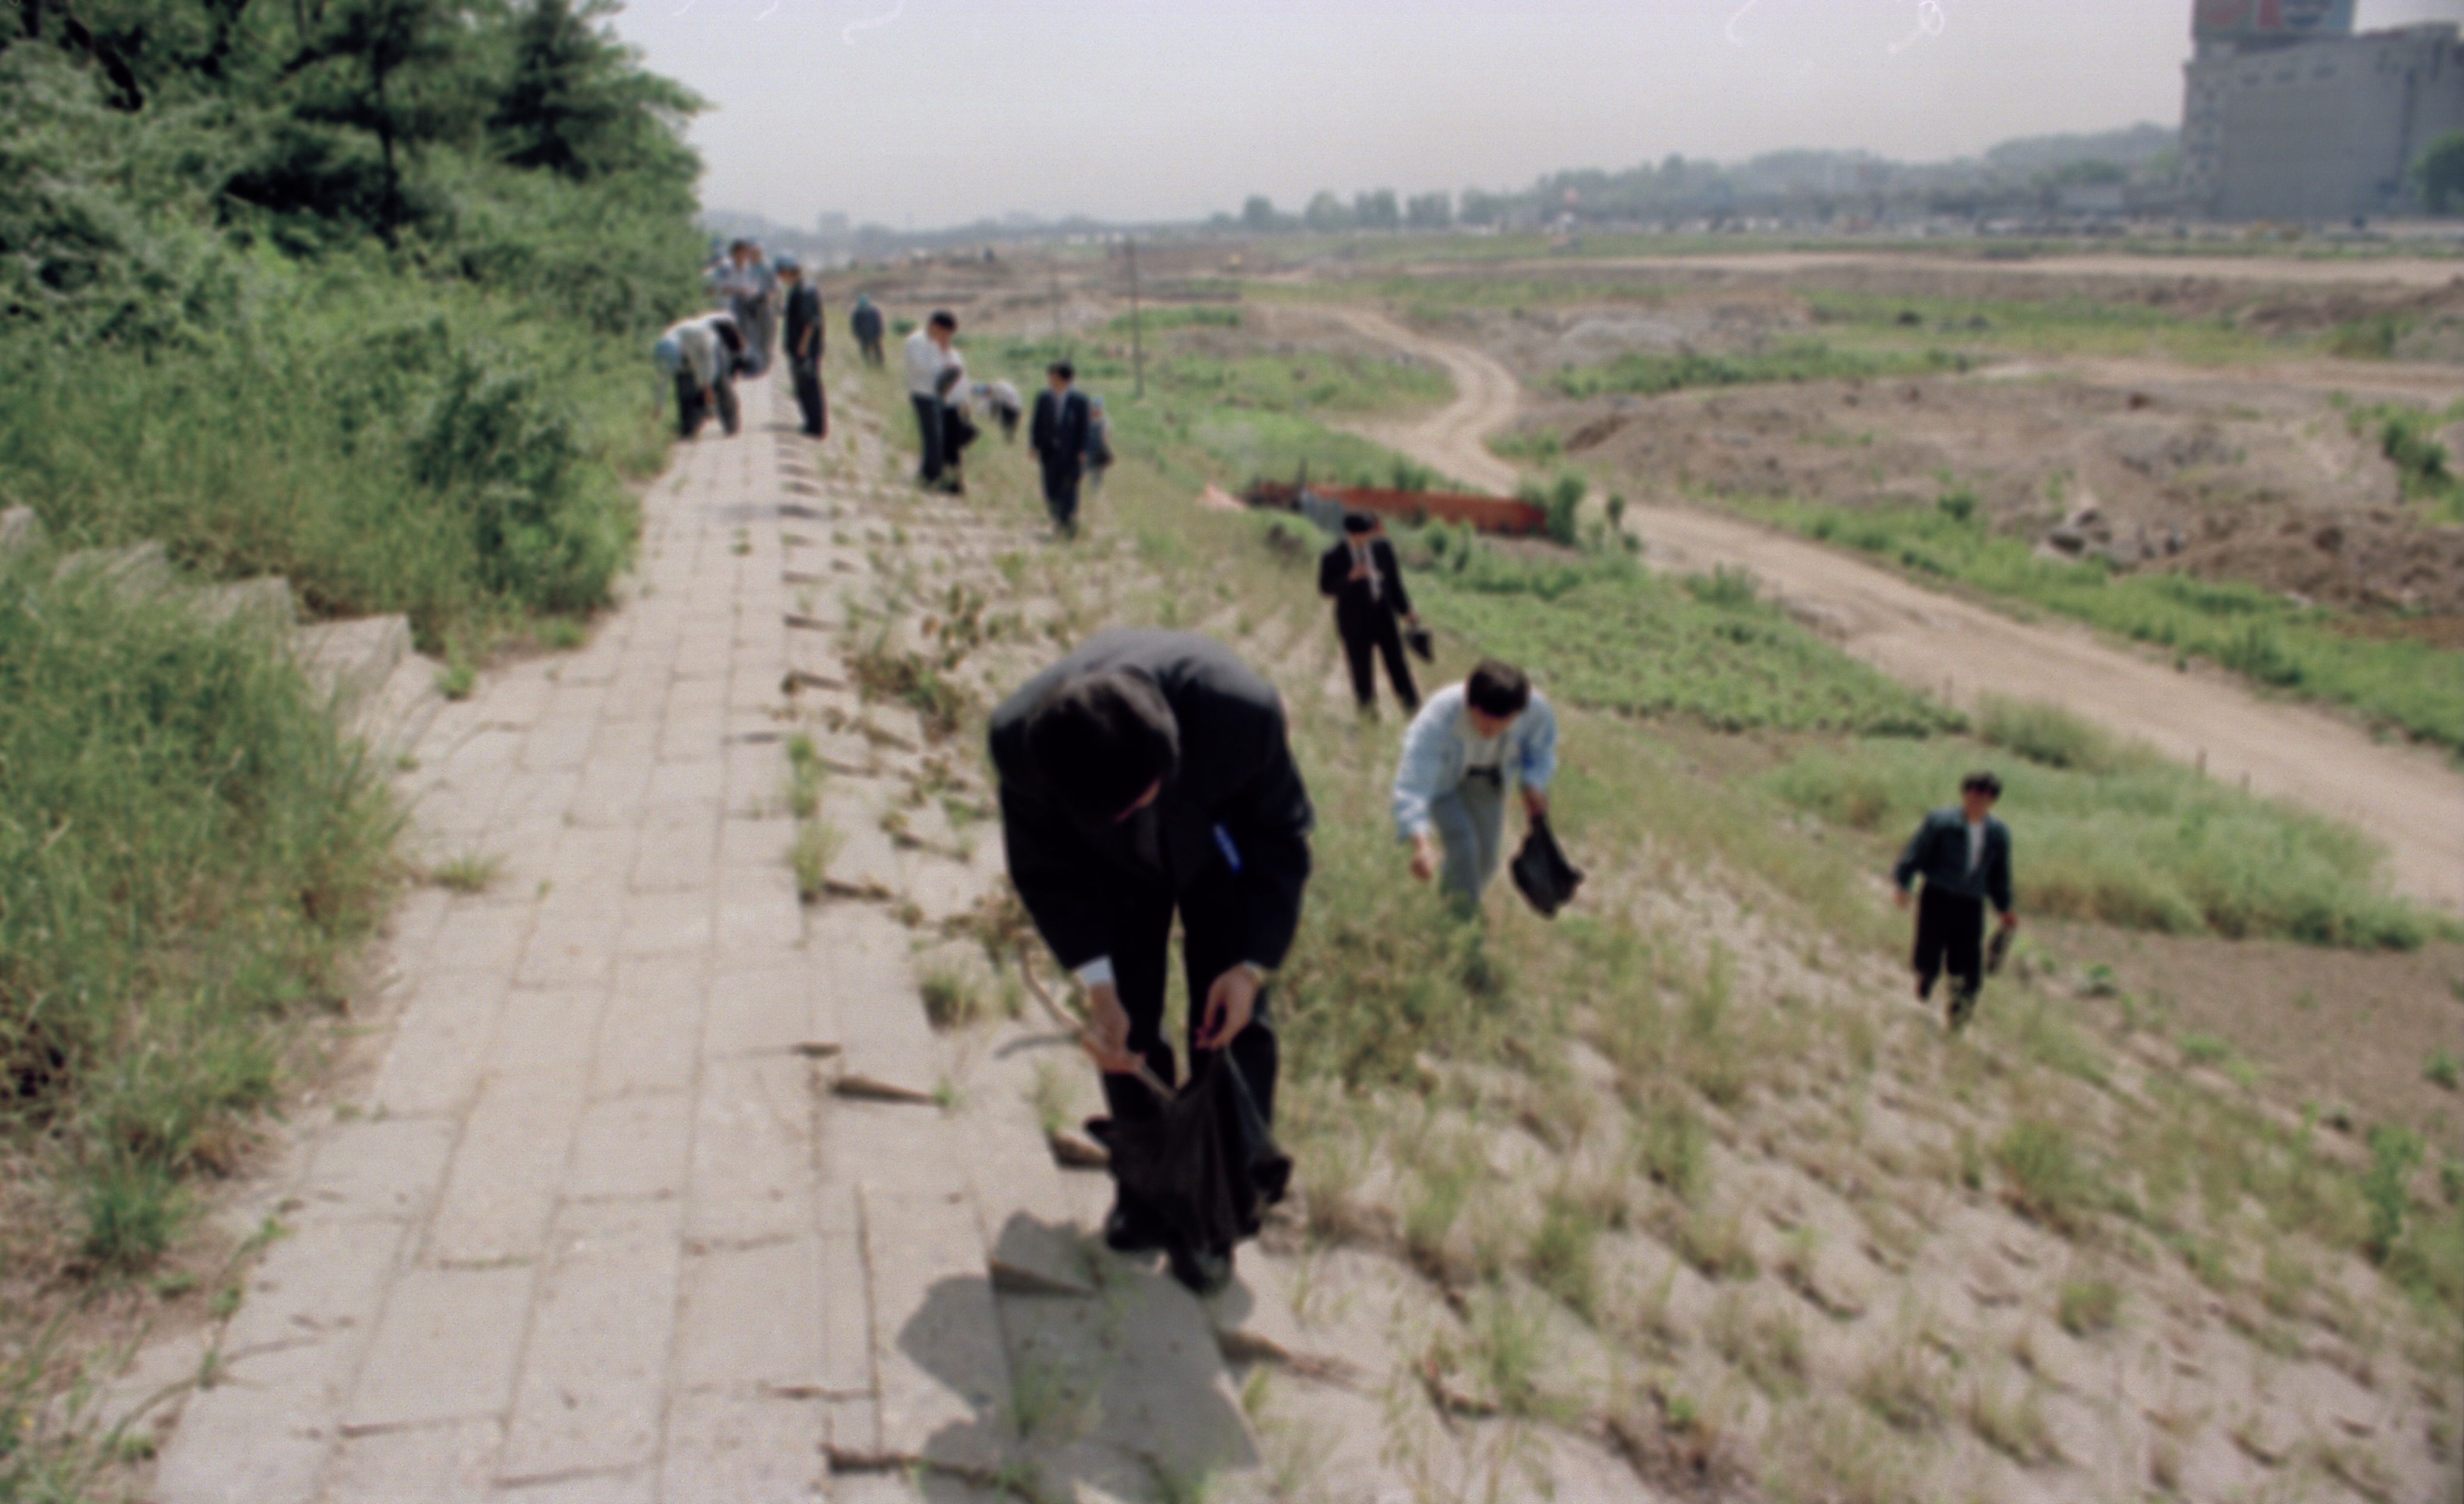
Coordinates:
1138 329
1056 298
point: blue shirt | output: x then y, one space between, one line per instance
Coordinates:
1437 749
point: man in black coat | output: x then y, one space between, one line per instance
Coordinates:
1058 436
1964 854
1145 774
1359 573
804 344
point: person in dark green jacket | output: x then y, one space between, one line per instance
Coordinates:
1964 854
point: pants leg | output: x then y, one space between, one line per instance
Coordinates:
1470 821
1950 929
1399 667
1358 645
723 392
928 432
808 397
1061 494
1213 932
688 406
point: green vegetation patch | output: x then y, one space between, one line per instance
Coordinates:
2127 839
2047 326
2425 471
187 850
1601 632
1649 375
2399 680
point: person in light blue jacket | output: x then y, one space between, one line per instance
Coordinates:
1450 786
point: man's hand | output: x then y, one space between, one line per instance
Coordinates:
2010 920
1424 858
1535 804
1107 1032
1231 1003
1900 896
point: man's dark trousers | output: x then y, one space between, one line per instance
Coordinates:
928 424
808 396
1212 916
1364 632
693 405
1950 935
1061 492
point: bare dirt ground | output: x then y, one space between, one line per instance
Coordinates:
2402 797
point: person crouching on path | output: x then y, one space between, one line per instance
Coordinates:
1360 575
803 336
1099 445
1964 854
702 354
1450 786
933 372
1058 436
1146 774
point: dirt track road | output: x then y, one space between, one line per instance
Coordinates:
2404 797
2415 272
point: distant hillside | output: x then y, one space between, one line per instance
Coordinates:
2129 148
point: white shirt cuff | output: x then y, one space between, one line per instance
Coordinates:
1096 973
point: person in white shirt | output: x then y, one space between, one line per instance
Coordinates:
934 371
1450 784
701 354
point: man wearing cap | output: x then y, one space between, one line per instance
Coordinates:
1964 854
1058 436
1450 784
803 334
1360 575
1145 775
863 322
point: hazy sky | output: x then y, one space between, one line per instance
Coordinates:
936 112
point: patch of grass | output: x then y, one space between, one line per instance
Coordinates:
951 999
2442 1071
1765 1344
804 776
187 853
2051 326
1649 375
471 871
2395 680
2424 469
563 633
2013 1426
1674 1148
1599 631
2087 1307
2044 1177
915 680
2204 1050
1562 1257
1714 1244
1540 447
1902 1387
458 677
2146 845
817 845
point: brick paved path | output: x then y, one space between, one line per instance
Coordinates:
584 1236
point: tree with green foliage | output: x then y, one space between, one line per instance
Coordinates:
1428 211
1376 209
575 102
1257 214
383 67
1326 213
2438 175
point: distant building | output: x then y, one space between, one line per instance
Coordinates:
2287 115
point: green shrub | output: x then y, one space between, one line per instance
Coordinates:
2085 1307
1650 374
2394 1152
187 849
2045 1179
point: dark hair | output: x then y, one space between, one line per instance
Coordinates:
730 334
1062 369
1101 739
1497 689
1359 522
944 319
1983 782
739 243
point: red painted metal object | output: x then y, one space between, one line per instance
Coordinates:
1487 514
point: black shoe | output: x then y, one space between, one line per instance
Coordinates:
1130 1229
1201 1272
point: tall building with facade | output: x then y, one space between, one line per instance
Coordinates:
2286 114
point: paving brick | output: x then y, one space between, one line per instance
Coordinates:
631 1146
847 1296
650 1035
508 1171
445 1348
677 858
752 1317
937 1342
382 1169
545 1037
593 1382
629 1485
570 949
485 939
732 1448
753 1012
247 1446
434 1062
753 1149
559 744
665 924
452 1462
762 843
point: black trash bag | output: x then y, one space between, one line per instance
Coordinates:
1542 874
1205 1165
1998 949
1419 641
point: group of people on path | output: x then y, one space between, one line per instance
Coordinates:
1069 434
1149 776
707 354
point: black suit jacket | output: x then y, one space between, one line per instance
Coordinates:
1938 853
1059 434
1351 596
1074 871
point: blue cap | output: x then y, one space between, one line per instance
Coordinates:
670 354
785 261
